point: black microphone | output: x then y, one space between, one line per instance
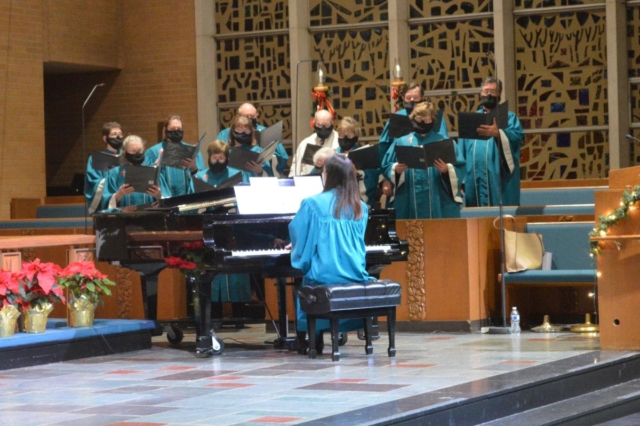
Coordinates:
632 138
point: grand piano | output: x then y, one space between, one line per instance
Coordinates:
235 243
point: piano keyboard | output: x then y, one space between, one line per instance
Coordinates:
277 252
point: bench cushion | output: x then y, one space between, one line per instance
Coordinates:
551 196
321 299
552 277
60 211
45 223
569 209
568 242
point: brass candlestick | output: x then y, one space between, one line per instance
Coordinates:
547 327
587 327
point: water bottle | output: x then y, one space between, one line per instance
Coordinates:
515 321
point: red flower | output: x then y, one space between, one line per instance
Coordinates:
193 246
173 262
44 272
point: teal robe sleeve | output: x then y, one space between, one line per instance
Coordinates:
93 187
303 230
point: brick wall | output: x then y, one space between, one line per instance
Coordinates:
158 78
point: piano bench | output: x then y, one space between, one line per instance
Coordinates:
350 300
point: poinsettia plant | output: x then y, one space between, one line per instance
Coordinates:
38 284
84 281
9 289
188 258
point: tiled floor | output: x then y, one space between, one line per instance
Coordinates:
251 383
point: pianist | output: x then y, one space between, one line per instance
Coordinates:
327 236
119 195
218 170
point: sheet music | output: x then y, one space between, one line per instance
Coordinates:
281 199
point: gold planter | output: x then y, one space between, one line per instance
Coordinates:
35 319
8 317
81 312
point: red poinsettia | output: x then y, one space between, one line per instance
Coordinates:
39 285
178 262
9 289
83 280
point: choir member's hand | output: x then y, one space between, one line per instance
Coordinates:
278 243
387 188
287 247
189 163
491 131
441 166
254 167
154 191
125 189
401 167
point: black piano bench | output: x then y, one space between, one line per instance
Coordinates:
350 300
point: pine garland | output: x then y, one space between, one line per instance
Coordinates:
627 203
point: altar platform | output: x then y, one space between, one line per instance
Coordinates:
435 379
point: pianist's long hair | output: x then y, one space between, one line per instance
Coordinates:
341 176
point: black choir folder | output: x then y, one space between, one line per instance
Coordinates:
399 125
201 186
270 134
309 151
423 156
173 153
140 177
367 157
238 157
468 122
103 161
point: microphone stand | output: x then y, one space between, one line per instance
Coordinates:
84 154
504 329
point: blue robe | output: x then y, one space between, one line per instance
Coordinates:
217 178
178 180
94 185
266 166
491 166
115 179
368 181
328 250
281 153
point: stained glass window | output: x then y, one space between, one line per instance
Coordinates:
426 8
234 16
334 12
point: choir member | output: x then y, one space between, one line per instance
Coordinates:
493 164
324 135
242 136
434 192
219 170
94 179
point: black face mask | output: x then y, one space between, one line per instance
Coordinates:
347 143
408 106
135 159
324 132
254 122
243 138
115 143
174 135
422 128
217 167
489 102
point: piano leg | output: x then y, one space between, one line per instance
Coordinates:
207 344
283 341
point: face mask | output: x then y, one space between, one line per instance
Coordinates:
254 122
217 167
324 132
408 106
243 138
174 135
422 128
347 143
489 102
135 159
115 143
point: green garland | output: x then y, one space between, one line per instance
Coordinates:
628 200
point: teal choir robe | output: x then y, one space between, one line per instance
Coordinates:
232 287
281 154
420 194
115 179
266 166
368 181
328 250
492 165
178 180
94 184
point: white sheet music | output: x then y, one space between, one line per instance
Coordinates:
257 199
